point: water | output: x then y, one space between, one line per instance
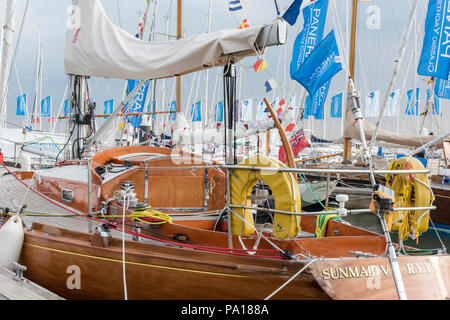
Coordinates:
428 240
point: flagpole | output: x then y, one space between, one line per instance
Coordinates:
179 30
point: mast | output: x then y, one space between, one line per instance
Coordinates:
5 61
348 141
179 28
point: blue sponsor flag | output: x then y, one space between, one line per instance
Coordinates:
21 103
292 12
442 88
411 107
308 108
314 16
46 106
173 111
322 64
435 56
136 103
336 106
218 112
318 101
234 5
66 108
196 112
108 107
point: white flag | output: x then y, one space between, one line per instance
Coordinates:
392 104
247 111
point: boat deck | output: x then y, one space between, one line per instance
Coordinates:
14 195
24 289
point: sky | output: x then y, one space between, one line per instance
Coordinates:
376 53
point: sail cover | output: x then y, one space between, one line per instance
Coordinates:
352 131
97 47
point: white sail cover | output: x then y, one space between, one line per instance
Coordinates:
97 47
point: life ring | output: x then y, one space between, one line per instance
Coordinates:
284 189
411 190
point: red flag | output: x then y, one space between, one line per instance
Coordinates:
244 24
52 119
298 142
290 127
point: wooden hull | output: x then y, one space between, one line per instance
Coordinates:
442 202
156 272
75 266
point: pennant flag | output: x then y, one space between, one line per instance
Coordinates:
196 112
173 111
373 104
298 142
21 103
442 88
322 64
46 106
136 103
270 84
281 105
244 24
292 12
336 106
435 56
314 16
392 104
260 65
108 107
234 5
247 110
52 119
66 108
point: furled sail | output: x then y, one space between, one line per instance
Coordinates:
352 131
97 47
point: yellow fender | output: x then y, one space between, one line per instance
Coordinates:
285 192
410 193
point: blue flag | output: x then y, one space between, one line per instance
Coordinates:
196 112
435 56
412 108
322 64
108 107
318 101
136 103
218 112
314 16
46 106
173 111
442 88
292 12
336 106
234 5
21 103
66 108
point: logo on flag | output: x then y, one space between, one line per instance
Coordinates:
321 65
298 142
173 111
136 103
442 88
46 106
435 56
373 104
336 106
21 105
411 107
108 106
196 112
234 5
247 110
392 104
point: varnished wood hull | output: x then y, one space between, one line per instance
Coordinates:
157 272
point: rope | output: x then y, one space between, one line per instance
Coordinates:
290 279
120 229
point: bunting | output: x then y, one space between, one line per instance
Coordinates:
260 65
244 24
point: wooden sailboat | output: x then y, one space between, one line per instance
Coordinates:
153 223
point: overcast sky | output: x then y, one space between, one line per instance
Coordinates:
376 52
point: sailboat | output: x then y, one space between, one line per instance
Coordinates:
142 222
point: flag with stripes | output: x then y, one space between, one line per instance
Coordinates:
260 65
234 5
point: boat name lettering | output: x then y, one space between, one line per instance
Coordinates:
354 272
421 267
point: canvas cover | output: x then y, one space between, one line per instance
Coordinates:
96 47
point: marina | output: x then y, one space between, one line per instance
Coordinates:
220 168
